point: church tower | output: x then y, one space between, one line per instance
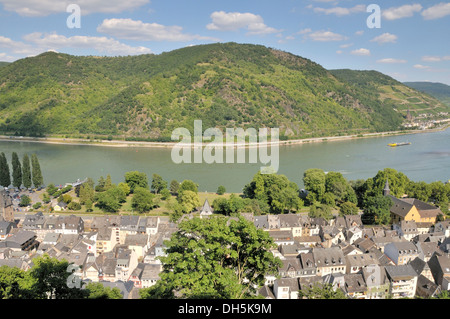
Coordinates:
386 190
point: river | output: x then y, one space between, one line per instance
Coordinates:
426 159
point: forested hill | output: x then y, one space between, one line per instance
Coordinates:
438 90
225 85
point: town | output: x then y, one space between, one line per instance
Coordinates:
408 259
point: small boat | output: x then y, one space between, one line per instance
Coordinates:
399 144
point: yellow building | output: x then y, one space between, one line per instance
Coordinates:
413 209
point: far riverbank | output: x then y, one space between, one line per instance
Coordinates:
120 143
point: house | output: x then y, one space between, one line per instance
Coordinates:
282 237
407 229
60 206
6 206
266 292
286 288
206 209
291 268
70 225
21 240
401 252
403 281
308 265
364 244
356 263
427 249
427 288
331 235
152 225
145 275
308 241
355 286
5 229
443 226
290 222
128 226
422 268
440 268
329 260
138 243
376 282
126 262
413 209
353 220
353 233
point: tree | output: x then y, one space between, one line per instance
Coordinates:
100 187
314 181
215 258
275 190
336 184
348 208
189 200
320 210
26 171
321 291
188 185
15 283
38 180
158 184
74 206
107 202
5 176
135 179
165 194
221 190
17 170
108 183
51 189
96 290
174 186
25 200
124 187
87 193
142 200
377 210
51 277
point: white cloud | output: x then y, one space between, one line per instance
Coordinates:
340 11
391 61
304 31
362 52
6 58
420 66
140 31
233 21
385 38
361 32
325 36
101 44
17 47
343 46
47 7
437 11
434 58
405 11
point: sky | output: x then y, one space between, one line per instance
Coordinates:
407 40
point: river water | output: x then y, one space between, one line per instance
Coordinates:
426 159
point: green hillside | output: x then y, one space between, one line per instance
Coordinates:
438 90
403 97
3 64
226 85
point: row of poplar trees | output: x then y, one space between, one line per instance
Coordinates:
23 174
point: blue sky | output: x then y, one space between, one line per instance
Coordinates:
411 44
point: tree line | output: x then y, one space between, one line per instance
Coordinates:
24 174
